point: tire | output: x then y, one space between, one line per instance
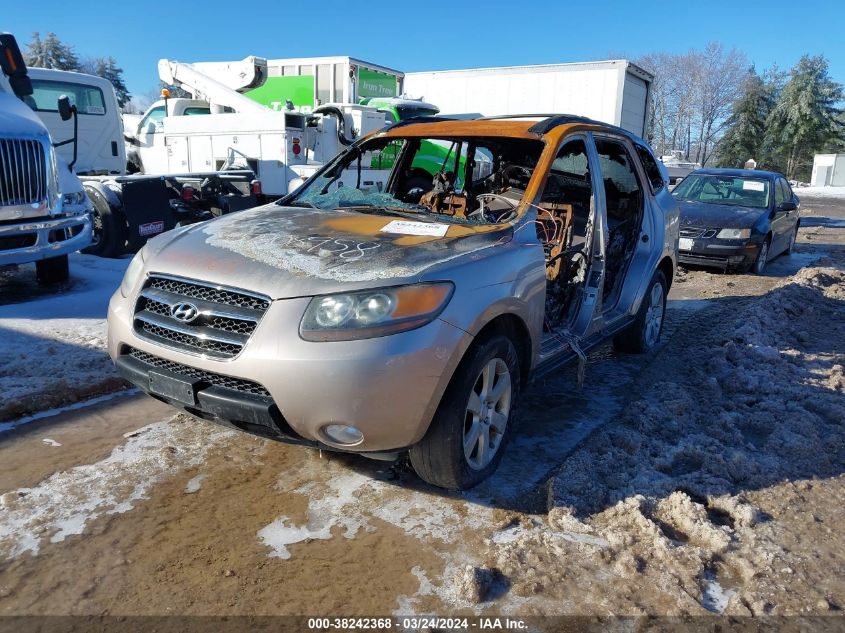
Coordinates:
759 265
440 458
52 270
644 333
110 230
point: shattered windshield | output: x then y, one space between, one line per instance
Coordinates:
470 180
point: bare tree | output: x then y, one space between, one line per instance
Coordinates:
692 98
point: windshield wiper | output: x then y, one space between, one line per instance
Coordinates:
302 203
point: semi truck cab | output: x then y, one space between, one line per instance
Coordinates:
44 213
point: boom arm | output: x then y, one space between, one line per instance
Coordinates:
247 73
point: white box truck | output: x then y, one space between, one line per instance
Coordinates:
615 91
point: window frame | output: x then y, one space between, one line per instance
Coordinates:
640 148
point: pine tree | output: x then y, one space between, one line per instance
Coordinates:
805 118
744 138
107 68
51 52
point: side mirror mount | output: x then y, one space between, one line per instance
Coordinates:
66 110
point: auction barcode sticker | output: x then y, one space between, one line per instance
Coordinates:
753 185
405 227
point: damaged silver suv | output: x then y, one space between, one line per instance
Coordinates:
401 299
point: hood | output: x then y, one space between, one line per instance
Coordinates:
17 119
719 215
286 252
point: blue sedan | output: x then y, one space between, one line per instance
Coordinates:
736 219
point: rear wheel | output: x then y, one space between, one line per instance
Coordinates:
644 332
52 270
109 228
466 439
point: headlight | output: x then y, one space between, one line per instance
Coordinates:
372 313
734 234
133 271
74 198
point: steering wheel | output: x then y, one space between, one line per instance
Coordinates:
482 211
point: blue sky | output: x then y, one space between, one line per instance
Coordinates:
431 34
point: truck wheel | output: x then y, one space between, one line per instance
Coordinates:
644 333
52 270
466 439
110 230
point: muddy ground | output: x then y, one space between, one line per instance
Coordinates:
707 477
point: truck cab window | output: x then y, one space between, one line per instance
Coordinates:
624 203
46 93
156 116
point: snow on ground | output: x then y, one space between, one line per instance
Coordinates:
63 504
820 192
53 348
694 487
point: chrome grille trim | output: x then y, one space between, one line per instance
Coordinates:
23 172
226 317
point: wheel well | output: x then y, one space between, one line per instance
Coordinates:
668 271
514 328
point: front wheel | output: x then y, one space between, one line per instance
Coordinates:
466 439
644 333
52 270
762 258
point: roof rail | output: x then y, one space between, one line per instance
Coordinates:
542 115
544 126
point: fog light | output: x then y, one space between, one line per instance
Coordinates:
343 434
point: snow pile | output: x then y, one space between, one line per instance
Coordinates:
754 401
821 192
54 347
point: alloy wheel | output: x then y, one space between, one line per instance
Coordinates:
487 414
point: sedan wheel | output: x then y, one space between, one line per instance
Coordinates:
762 258
487 414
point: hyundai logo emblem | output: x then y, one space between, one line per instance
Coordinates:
185 312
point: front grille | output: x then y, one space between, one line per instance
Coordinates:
213 294
225 318
210 377
23 172
697 232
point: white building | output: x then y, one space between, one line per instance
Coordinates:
828 170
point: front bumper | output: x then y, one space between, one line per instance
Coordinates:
33 240
288 389
715 253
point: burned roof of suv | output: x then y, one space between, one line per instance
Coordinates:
518 125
